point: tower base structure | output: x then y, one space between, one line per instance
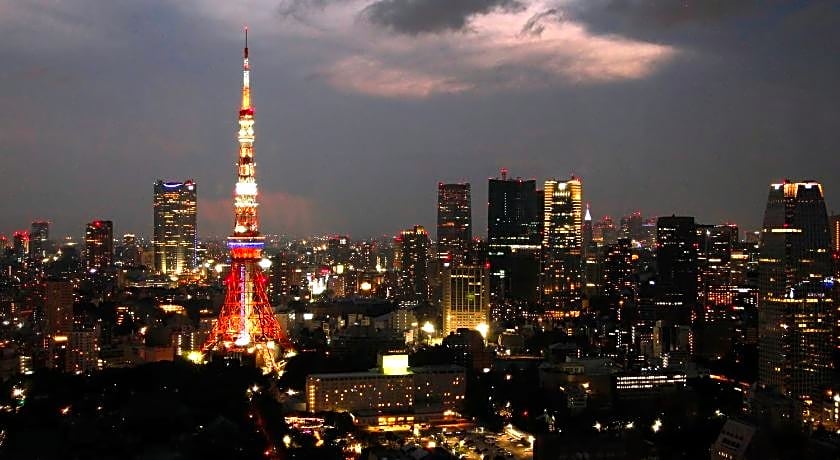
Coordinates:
246 323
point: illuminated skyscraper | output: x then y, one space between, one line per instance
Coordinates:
604 231
414 263
834 228
466 299
39 237
99 245
129 252
20 245
58 306
719 277
175 241
631 227
562 244
618 283
795 310
58 309
246 323
587 230
676 263
454 222
514 236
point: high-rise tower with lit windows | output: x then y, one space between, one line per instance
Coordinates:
175 239
246 323
561 245
796 310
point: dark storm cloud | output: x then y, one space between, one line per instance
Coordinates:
536 23
106 97
644 14
414 17
787 43
299 9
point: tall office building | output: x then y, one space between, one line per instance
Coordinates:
413 245
58 310
795 311
719 277
631 227
454 223
604 231
834 228
618 282
466 299
676 263
20 245
514 236
175 240
592 260
39 236
562 244
58 306
587 230
99 245
129 253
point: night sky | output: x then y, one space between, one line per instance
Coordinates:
362 106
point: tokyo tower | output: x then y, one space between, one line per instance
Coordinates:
246 323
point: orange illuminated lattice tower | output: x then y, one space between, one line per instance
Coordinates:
246 323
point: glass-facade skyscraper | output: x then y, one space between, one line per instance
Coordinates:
39 237
676 265
175 239
795 311
99 245
562 244
454 222
514 236
466 299
413 245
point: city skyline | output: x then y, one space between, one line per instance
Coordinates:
684 102
613 296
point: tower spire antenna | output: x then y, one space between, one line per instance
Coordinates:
246 42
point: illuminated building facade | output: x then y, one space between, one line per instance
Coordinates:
413 245
39 237
454 223
734 440
631 227
795 310
99 245
175 241
587 235
20 245
466 299
719 275
617 268
246 323
676 263
592 259
514 236
129 253
834 227
58 309
628 386
83 348
562 244
390 395
604 231
58 303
